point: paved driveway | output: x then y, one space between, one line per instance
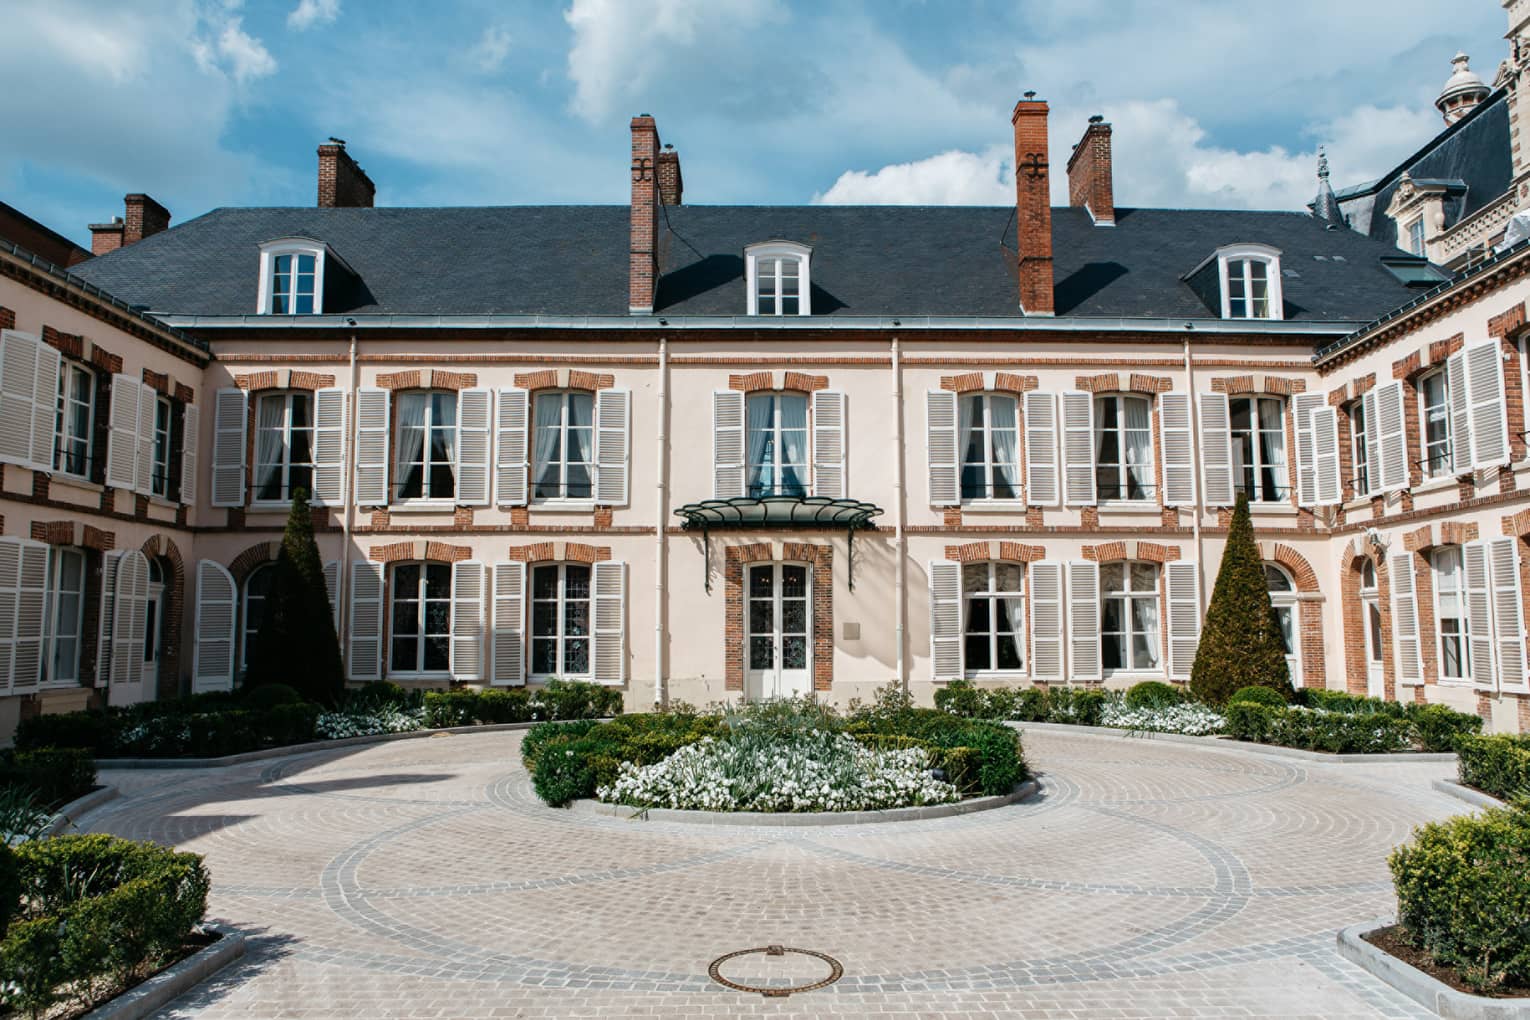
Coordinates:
423 878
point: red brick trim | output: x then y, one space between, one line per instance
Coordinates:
951 516
1301 571
298 380
97 539
578 552
185 394
1364 384
391 553
156 381
1405 368
1104 383
966 383
1338 397
245 563
1105 552
1018 552
258 381
53 532
1009 382
168 683
578 379
1517 524
821 558
7 318
1439 350
545 379
70 345
1150 383
1152 552
462 517
1419 539
805 383
1284 385
410 380
752 382
440 552
1233 384
1506 322
380 518
1457 532
971 552
602 517
444 380
537 552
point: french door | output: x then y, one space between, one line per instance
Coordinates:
779 642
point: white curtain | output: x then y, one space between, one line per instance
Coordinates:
793 423
1139 448
762 480
1272 446
1006 465
970 452
269 437
1145 627
1014 612
544 459
411 443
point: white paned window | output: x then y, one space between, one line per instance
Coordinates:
776 444
256 589
75 420
424 450
159 467
420 622
1283 598
777 273
1129 616
1359 448
993 611
1250 278
64 615
283 446
1259 448
563 453
1451 620
1123 448
560 620
1434 423
1416 236
990 447
292 284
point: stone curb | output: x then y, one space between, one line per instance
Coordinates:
1023 791
70 813
1273 750
308 748
174 981
1420 987
1475 798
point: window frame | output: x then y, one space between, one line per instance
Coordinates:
755 255
1463 635
294 246
1255 430
161 454
63 431
995 597
1120 464
988 464
1359 449
1287 600
1414 231
1426 463
286 464
777 444
421 635
246 630
428 423
1129 595
560 637
563 499
1244 255
52 629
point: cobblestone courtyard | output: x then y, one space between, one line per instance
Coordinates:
423 878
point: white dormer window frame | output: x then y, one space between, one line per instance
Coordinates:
768 275
1236 269
294 248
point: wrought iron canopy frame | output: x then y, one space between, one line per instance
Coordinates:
756 512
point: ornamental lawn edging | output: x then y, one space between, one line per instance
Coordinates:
1023 791
1274 750
1420 987
1462 792
148 997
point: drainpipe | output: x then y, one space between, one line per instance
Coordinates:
900 540
661 536
347 520
1195 474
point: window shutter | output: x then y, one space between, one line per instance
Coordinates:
727 444
829 444
191 423
1046 621
1479 613
1508 614
328 447
1083 620
18 377
109 561
31 596
1303 405
473 447
945 620
943 446
509 625
1392 435
1182 581
45 407
1041 449
148 399
1372 447
371 447
332 589
510 467
1078 448
217 599
609 580
1490 422
10 582
122 438
230 415
467 620
1325 442
366 644
1216 449
1405 643
1178 458
1460 414
613 439
128 618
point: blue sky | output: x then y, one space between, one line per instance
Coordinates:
203 103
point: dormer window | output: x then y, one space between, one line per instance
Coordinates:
1250 276
292 277
778 280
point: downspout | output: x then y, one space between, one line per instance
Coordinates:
900 539
661 536
1195 473
347 520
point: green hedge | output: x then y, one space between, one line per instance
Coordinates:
1153 694
568 760
171 729
1463 895
54 775
1335 732
979 757
1081 705
1499 764
559 699
1259 696
96 912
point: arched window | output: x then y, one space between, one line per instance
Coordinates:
560 620
993 611
563 459
256 588
778 278
777 439
990 462
420 621
1250 278
1129 639
1123 447
291 277
1282 591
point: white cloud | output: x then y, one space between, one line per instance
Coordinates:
949 178
240 54
309 13
489 52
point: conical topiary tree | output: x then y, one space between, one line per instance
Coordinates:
1240 640
296 644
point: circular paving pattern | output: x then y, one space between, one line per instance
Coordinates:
423 877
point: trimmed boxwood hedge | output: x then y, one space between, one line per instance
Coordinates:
1498 764
54 775
559 699
1081 705
1336 732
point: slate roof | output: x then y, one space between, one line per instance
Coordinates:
867 260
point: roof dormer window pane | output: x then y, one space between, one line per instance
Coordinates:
292 284
1250 281
778 278
1248 289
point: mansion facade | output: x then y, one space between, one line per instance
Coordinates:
705 453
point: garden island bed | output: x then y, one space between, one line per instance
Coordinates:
780 757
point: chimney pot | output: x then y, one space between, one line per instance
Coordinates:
1033 206
1090 181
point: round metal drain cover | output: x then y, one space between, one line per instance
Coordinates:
778 972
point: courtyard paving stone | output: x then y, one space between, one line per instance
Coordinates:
1149 879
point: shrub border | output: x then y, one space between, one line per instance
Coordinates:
1023 791
149 997
1273 750
71 812
1420 987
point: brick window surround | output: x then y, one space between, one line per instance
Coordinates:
1309 610
168 683
821 559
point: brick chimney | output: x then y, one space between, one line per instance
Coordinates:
671 184
1089 175
142 217
342 182
1033 206
643 253
106 237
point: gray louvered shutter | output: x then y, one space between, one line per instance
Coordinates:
122 434
473 446
1178 457
104 617
1508 614
230 416
191 424
10 580
1046 591
1182 583
1372 447
1405 643
510 446
613 441
943 446
148 403
1216 449
1083 620
1325 441
128 609
466 649
608 583
329 434
1303 405
1460 414
1490 421
829 426
27 410
727 444
1392 438
1041 481
45 407
945 620
1479 613
509 625
31 598
366 638
371 446
213 660
1078 448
